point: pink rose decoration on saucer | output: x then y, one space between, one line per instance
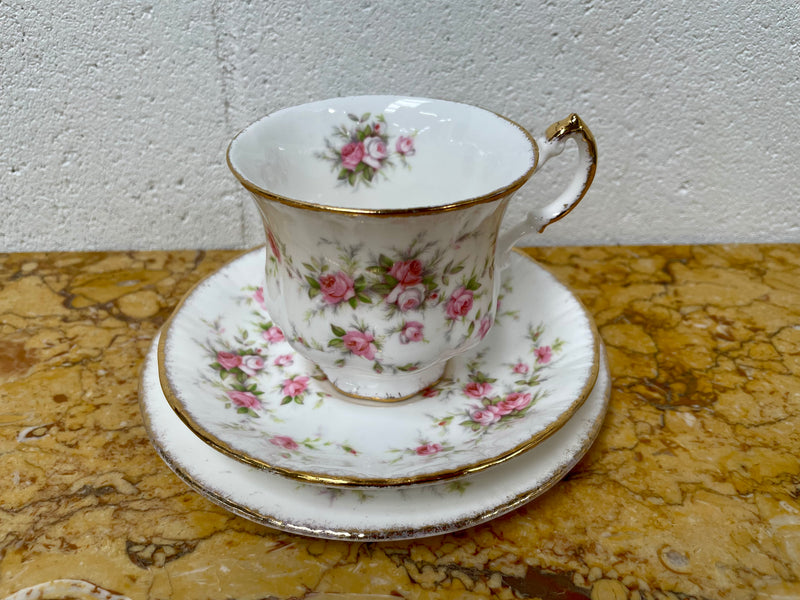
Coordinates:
475 389
285 442
543 354
228 360
485 416
408 272
428 449
295 386
243 399
374 152
273 334
283 360
252 364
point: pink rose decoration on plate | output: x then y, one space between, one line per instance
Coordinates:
428 449
412 332
521 368
485 326
336 287
243 399
517 400
295 386
360 343
460 303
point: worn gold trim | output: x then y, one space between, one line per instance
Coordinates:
338 481
574 125
395 212
376 535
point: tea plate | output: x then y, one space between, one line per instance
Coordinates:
228 372
374 514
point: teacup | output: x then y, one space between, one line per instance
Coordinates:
382 218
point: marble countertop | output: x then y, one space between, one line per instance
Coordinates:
692 489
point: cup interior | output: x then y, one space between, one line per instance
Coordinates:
382 153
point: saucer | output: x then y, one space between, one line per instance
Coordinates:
375 514
228 372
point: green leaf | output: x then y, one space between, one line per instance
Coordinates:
337 331
253 413
336 343
365 116
352 178
364 299
312 282
385 261
312 293
382 289
367 131
298 399
471 328
242 410
352 117
376 270
343 174
473 284
353 302
457 269
286 400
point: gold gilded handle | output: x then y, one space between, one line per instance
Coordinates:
553 143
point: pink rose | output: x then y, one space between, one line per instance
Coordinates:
502 408
374 152
429 392
405 145
284 441
252 364
273 334
428 449
379 128
486 325
484 416
228 360
284 360
352 154
521 368
543 354
412 332
460 303
295 386
517 400
360 343
273 245
245 399
258 296
477 390
410 298
407 272
336 287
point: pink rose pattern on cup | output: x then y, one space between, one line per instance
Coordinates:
258 374
405 284
361 150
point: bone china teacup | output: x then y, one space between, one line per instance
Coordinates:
382 217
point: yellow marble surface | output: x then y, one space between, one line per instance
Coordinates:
691 490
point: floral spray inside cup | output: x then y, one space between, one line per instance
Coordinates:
382 217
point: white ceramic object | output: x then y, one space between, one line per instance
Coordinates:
367 515
229 373
382 216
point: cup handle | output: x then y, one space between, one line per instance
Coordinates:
552 145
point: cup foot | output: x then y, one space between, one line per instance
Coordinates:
385 388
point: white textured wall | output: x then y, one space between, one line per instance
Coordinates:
114 116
